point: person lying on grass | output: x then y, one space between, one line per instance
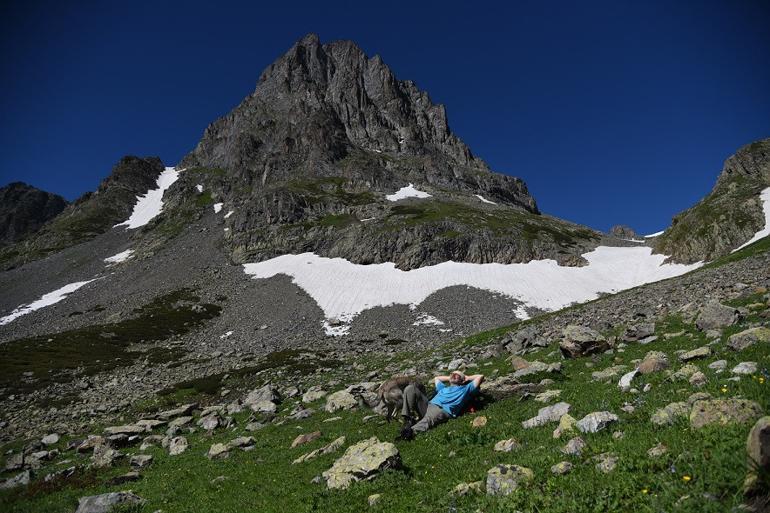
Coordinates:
448 403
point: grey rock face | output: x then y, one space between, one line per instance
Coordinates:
24 209
548 414
326 134
729 216
623 232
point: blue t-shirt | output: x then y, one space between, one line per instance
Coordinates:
452 399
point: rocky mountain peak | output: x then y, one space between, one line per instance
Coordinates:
24 209
324 110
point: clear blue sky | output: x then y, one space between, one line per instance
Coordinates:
611 111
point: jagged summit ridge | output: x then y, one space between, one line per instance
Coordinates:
321 105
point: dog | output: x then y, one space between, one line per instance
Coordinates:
391 393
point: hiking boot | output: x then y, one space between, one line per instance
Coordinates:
406 434
408 422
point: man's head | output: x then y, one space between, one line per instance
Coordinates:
456 378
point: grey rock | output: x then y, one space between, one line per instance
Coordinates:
596 421
505 479
723 412
701 352
22 479
581 341
669 413
107 502
51 439
606 462
341 400
716 315
363 460
547 414
140 460
574 447
561 468
749 337
177 446
745 368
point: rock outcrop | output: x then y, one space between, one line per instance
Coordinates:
24 209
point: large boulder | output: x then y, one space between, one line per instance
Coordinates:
581 341
596 421
508 386
723 412
342 400
537 367
106 502
716 316
758 451
363 460
267 393
22 479
748 338
505 479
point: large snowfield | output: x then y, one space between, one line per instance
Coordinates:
343 289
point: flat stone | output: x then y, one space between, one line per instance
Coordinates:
341 400
609 372
176 412
468 488
180 421
547 414
263 407
106 502
537 367
701 352
718 365
625 381
362 461
105 456
267 393
306 438
327 449
150 424
684 372
241 442
749 337
724 412
745 368
129 429
505 479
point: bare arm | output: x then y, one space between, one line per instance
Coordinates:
440 378
476 379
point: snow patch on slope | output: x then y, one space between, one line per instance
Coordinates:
120 257
761 234
47 300
151 204
654 234
343 289
484 200
407 192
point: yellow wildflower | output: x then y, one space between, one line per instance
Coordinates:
686 478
